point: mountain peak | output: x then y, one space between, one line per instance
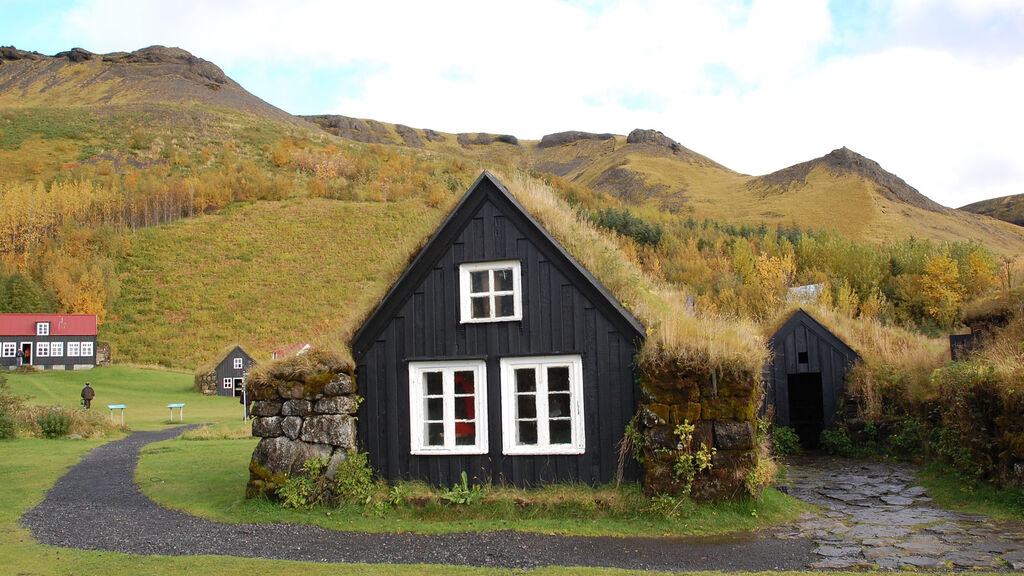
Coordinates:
843 161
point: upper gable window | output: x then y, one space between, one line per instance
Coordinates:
237 363
42 328
491 291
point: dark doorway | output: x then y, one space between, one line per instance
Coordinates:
806 407
238 386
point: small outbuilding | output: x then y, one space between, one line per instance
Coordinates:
805 375
48 341
498 355
227 376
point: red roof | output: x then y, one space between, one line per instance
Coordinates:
60 324
293 350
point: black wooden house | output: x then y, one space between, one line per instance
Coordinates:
497 354
231 372
805 375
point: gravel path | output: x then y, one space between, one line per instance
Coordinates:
97 506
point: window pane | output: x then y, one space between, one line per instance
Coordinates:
560 431
433 382
558 405
526 380
558 379
435 409
527 432
526 406
503 280
465 434
481 307
435 434
464 382
506 305
478 282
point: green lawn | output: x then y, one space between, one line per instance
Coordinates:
144 392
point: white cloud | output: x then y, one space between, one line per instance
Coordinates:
755 85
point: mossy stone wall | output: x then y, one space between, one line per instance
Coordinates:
722 406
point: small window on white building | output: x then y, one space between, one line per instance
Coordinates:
74 348
56 349
42 328
542 405
42 349
229 384
10 349
448 407
237 363
491 291
86 348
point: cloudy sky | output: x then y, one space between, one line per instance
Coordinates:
933 90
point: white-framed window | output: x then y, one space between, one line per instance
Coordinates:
86 348
56 349
74 348
42 349
236 363
42 328
542 405
10 349
448 407
229 384
491 291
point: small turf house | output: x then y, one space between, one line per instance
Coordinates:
231 372
48 341
496 353
805 375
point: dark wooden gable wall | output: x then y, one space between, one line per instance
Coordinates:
226 369
565 311
801 346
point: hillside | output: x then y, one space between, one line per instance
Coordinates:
648 169
1008 208
151 189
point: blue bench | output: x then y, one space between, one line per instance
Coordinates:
181 411
113 407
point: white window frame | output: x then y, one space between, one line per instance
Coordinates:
10 349
417 401
74 349
228 383
43 349
56 349
42 328
509 405
87 349
236 363
466 296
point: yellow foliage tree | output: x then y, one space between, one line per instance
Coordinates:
941 288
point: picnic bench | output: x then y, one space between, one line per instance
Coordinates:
181 410
113 407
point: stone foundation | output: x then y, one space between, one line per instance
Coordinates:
722 407
298 421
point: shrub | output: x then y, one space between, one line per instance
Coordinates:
307 489
836 442
462 493
54 424
785 441
353 480
626 224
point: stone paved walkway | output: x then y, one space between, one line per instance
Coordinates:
876 516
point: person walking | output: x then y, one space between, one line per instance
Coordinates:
21 357
87 395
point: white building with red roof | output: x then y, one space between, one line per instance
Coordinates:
48 341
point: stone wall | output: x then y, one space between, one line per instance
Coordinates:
206 383
721 405
104 352
298 421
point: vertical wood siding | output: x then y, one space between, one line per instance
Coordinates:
558 318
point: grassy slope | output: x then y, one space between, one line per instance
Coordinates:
1008 208
264 275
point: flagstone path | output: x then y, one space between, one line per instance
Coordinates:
876 516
